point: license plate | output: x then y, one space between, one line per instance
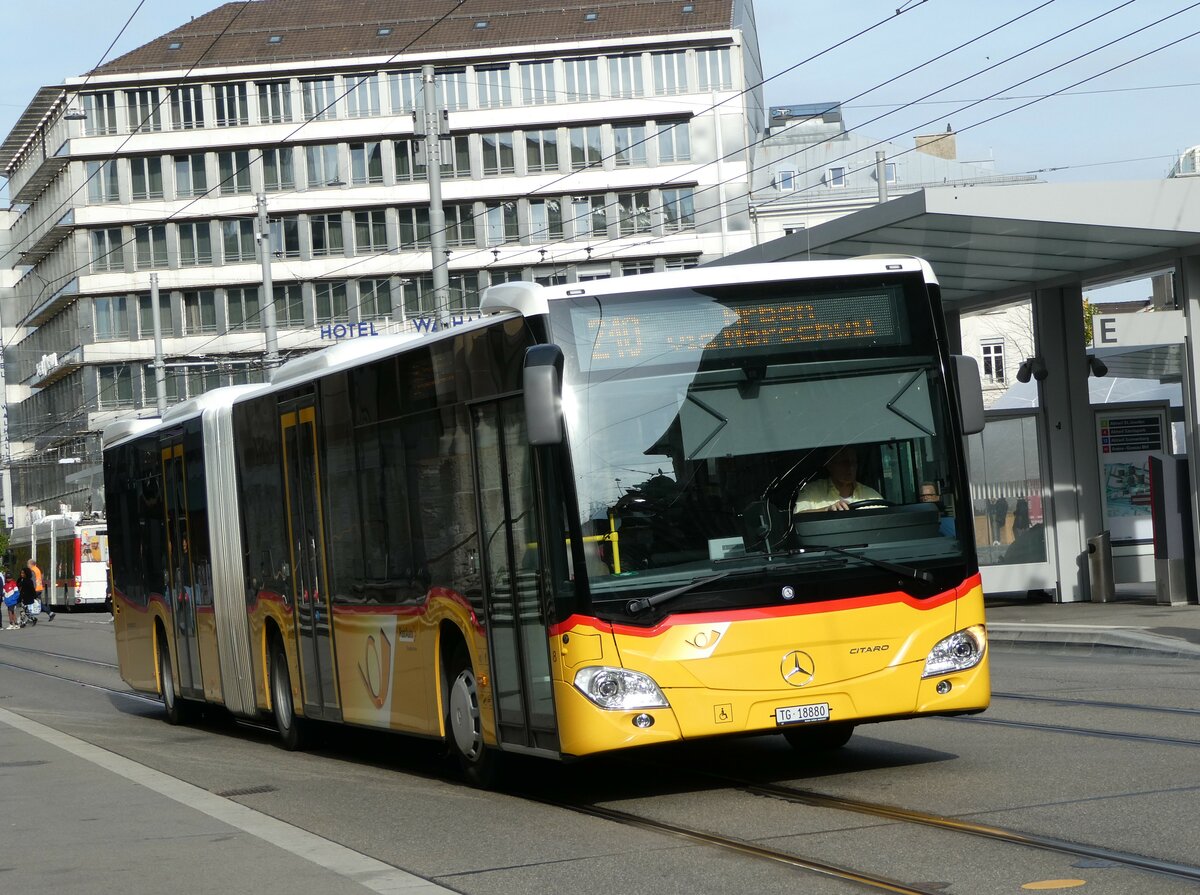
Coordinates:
802 714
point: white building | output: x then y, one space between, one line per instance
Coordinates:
579 142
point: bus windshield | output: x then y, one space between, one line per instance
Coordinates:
710 432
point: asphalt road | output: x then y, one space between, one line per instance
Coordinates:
1093 749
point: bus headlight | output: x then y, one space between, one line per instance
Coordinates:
619 689
961 650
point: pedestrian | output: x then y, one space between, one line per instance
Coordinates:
39 588
28 595
1020 517
11 598
999 519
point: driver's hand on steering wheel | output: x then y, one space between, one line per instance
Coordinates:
837 505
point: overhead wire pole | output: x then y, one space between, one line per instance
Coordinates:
433 173
271 360
160 372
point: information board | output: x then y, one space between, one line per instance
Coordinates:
1125 439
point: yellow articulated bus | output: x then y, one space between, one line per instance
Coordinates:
704 503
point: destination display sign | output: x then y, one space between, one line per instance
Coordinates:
660 333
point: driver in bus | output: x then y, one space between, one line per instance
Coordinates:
841 489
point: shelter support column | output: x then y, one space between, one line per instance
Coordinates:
1072 467
1188 272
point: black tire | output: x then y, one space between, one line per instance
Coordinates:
291 728
479 763
819 737
173 706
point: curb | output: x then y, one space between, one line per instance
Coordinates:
1091 637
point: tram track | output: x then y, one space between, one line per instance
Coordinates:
1095 703
798 796
1082 731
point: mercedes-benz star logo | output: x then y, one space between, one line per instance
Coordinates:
797 668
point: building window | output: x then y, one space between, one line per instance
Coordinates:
495 87
785 181
464 292
452 86
889 172
320 100
111 319
326 233
146 316
625 76
541 151
370 232
170 383
374 299
993 361
322 166
409 156
101 111
460 225
674 142
456 156
106 250
670 73
545 220
405 90
195 244
143 107
585 147
191 177
146 174
362 96
289 305
199 312
498 153
275 102
683 263
634 213
630 142
279 171
187 108
331 302
103 182
679 210
589 217
366 163
537 83
114 386
151 242
836 177
414 228
633 268
502 226
237 238
583 79
285 236
715 68
242 308
233 170
232 108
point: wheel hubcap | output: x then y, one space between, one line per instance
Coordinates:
464 715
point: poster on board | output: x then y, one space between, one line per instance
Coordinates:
1125 439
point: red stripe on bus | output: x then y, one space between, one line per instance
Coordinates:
767 612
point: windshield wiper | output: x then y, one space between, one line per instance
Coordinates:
895 568
636 606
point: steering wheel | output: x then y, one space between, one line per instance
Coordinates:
872 503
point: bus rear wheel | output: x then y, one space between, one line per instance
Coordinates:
464 723
819 738
290 727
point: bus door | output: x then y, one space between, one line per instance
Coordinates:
309 571
181 587
515 607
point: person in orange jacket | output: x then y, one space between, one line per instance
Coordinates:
39 587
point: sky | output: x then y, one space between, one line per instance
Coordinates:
1129 124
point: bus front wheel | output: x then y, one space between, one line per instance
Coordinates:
291 728
172 704
819 738
479 764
